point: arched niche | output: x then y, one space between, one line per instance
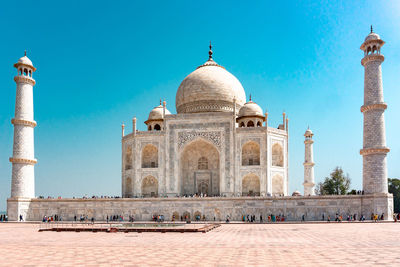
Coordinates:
277 185
199 168
128 158
150 156
157 127
128 187
250 154
149 187
251 185
277 155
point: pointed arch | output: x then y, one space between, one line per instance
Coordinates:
150 156
128 187
250 124
251 185
149 187
199 168
250 154
128 158
277 185
277 155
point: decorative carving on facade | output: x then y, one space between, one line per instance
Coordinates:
213 137
199 106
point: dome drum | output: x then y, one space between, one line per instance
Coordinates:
207 106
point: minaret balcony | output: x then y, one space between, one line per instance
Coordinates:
372 57
381 106
24 79
23 161
24 122
371 151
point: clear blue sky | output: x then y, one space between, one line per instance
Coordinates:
100 63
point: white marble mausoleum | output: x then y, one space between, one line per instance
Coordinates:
218 144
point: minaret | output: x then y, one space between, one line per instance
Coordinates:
23 160
308 164
374 141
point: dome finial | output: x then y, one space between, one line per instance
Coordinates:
250 97
25 52
372 29
210 52
160 102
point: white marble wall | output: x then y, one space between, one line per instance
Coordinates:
216 129
291 207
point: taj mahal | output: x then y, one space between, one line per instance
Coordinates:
217 145
217 157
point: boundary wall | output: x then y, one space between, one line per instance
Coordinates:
293 208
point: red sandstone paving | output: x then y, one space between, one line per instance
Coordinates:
361 244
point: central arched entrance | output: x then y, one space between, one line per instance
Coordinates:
199 169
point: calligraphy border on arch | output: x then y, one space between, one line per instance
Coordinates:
184 137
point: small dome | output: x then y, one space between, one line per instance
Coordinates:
372 36
296 193
250 109
157 113
25 60
308 133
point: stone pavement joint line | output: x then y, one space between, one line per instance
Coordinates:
229 245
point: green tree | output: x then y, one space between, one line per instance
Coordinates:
336 184
394 188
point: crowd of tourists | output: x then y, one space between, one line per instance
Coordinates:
267 218
84 197
158 218
115 218
53 218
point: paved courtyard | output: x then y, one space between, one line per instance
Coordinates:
324 244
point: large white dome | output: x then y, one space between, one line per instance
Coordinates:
210 88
